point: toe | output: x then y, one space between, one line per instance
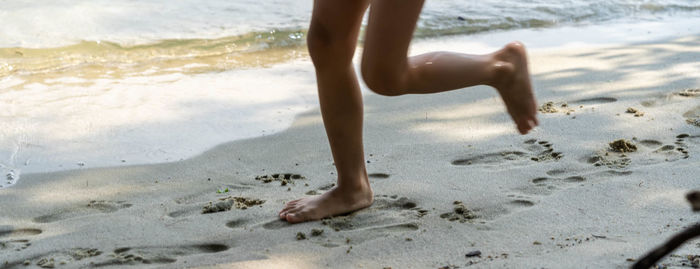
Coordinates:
286 210
297 217
294 210
533 123
523 126
283 214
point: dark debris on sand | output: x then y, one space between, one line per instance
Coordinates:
622 145
475 253
548 107
689 92
284 179
225 204
316 232
338 223
460 213
611 160
636 112
551 107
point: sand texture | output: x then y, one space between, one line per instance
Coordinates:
455 185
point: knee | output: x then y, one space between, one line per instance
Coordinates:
383 79
326 47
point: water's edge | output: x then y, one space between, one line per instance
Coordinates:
206 109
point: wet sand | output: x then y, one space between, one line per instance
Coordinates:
455 185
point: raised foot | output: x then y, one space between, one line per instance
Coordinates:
334 202
512 80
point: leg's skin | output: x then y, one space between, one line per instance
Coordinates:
335 25
387 70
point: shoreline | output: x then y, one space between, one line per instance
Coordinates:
425 152
120 142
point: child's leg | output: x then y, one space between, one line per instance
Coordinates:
332 37
387 70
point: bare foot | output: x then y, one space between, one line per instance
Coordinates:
333 202
512 80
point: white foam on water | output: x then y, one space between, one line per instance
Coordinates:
147 119
566 37
55 23
42 23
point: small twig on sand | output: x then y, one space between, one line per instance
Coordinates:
676 241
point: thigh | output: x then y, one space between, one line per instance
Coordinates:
335 21
389 31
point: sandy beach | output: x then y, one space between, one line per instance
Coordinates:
455 185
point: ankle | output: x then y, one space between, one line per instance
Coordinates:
501 73
355 189
358 179
353 186
502 64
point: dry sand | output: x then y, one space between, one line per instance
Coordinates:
455 185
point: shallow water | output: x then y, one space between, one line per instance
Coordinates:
43 23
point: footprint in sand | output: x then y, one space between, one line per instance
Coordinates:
594 101
557 180
385 210
388 215
464 214
15 239
202 195
72 256
570 107
684 144
221 204
525 196
688 93
11 233
642 152
546 185
686 140
692 116
14 245
520 201
670 98
139 256
93 207
237 223
283 178
189 210
194 202
460 213
532 150
378 176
